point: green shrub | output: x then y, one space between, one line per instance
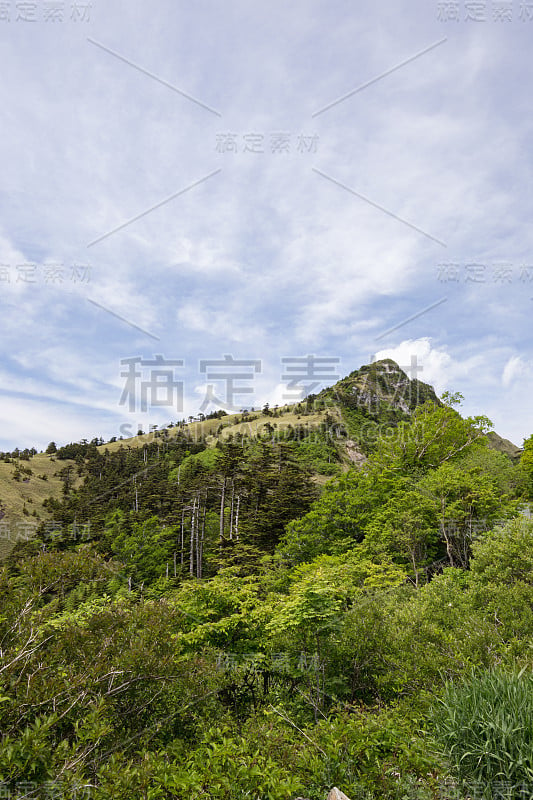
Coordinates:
504 555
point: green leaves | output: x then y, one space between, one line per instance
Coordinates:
224 766
322 589
144 548
433 436
504 555
337 520
526 461
316 661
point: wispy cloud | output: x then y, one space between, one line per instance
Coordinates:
153 76
196 252
379 77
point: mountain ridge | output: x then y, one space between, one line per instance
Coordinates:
355 411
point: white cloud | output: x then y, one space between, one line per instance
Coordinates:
433 365
492 382
266 257
515 369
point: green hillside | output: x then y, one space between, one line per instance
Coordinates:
270 604
357 411
24 485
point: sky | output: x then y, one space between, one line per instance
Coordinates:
290 190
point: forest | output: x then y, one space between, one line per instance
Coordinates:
264 617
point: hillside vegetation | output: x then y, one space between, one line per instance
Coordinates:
268 604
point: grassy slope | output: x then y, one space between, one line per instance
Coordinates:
29 492
231 424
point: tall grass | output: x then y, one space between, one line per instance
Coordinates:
484 729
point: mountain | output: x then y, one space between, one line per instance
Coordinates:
381 389
504 446
190 600
329 432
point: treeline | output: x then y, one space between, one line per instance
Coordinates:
16 454
175 506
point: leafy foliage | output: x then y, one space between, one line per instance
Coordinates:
203 621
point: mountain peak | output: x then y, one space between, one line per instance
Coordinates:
383 387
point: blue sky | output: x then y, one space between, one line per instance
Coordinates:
265 181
